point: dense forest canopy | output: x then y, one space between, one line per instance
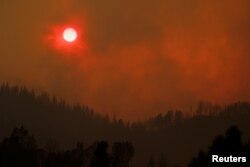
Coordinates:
55 122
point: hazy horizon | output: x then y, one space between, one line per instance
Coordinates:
135 58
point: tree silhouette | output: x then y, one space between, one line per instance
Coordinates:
101 157
122 153
52 118
19 150
224 146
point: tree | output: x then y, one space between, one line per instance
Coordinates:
19 150
224 146
101 157
122 153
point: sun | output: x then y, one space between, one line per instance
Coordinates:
67 39
69 34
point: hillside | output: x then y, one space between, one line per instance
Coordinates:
172 136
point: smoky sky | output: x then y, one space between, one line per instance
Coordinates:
140 57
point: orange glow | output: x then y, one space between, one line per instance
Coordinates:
67 39
134 64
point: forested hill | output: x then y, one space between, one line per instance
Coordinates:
49 117
171 136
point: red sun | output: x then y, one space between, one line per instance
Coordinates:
69 34
67 39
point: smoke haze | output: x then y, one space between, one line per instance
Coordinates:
139 57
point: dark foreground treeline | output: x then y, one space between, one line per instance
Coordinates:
20 150
169 138
224 146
